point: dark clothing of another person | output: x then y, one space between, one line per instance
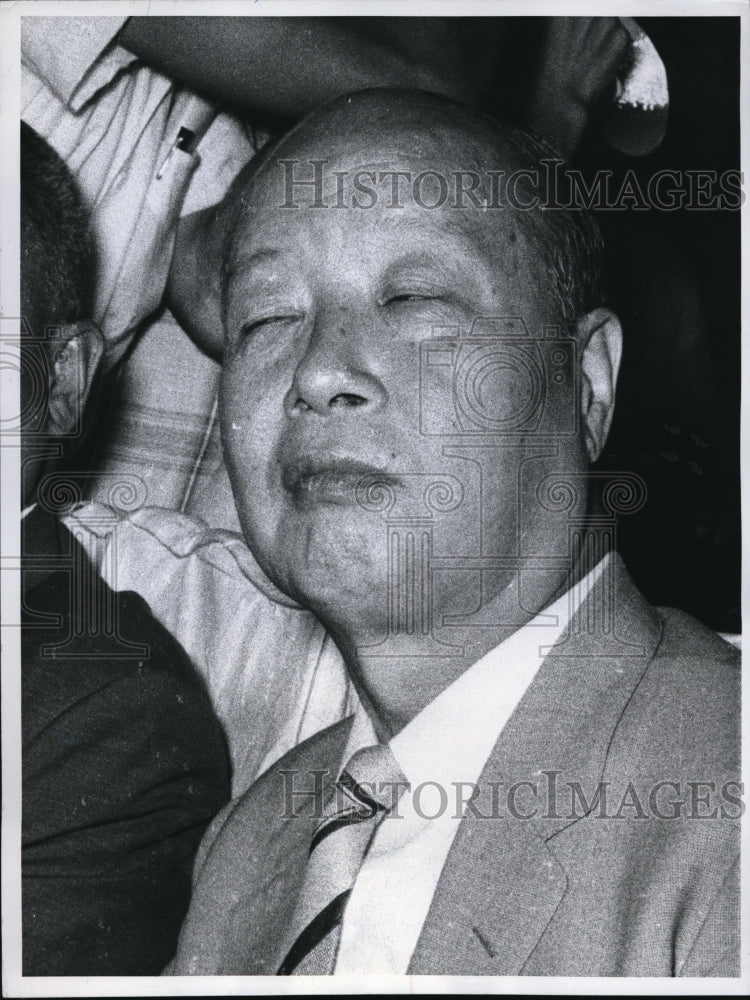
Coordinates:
124 764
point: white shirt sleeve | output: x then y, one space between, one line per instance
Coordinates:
74 56
224 150
274 676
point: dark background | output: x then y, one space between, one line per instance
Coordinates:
674 280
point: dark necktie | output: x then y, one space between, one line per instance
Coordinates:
368 787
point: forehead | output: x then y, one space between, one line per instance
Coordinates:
439 190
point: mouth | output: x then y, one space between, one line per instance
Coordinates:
339 482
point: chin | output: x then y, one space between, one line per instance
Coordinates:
352 613
326 560
342 587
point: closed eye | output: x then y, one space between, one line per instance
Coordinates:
414 290
253 326
415 296
409 297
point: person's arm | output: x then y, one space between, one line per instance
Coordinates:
285 66
579 60
193 291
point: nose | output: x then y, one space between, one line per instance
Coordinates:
333 376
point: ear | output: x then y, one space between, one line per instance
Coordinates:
600 335
73 364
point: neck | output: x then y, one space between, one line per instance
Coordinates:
397 674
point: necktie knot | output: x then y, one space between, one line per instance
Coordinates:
373 772
371 783
368 787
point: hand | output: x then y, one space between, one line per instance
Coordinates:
579 60
581 56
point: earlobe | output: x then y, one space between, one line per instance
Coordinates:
73 365
600 337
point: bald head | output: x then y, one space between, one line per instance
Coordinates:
383 297
397 148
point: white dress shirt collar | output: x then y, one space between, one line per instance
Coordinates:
451 738
442 752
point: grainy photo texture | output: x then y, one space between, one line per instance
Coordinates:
379 497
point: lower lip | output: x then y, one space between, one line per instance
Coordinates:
335 488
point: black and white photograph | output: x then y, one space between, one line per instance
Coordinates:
371 453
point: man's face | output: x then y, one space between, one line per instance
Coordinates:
339 420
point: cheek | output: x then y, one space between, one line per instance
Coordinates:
250 415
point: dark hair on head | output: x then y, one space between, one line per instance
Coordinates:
57 250
566 234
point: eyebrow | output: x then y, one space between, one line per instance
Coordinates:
460 247
245 261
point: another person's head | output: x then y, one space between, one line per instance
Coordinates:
60 347
402 351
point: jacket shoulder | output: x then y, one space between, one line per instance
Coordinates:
74 654
684 716
684 635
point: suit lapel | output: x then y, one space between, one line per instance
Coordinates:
284 852
501 883
248 886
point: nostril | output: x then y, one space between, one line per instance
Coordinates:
348 399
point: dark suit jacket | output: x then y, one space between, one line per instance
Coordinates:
573 890
124 764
